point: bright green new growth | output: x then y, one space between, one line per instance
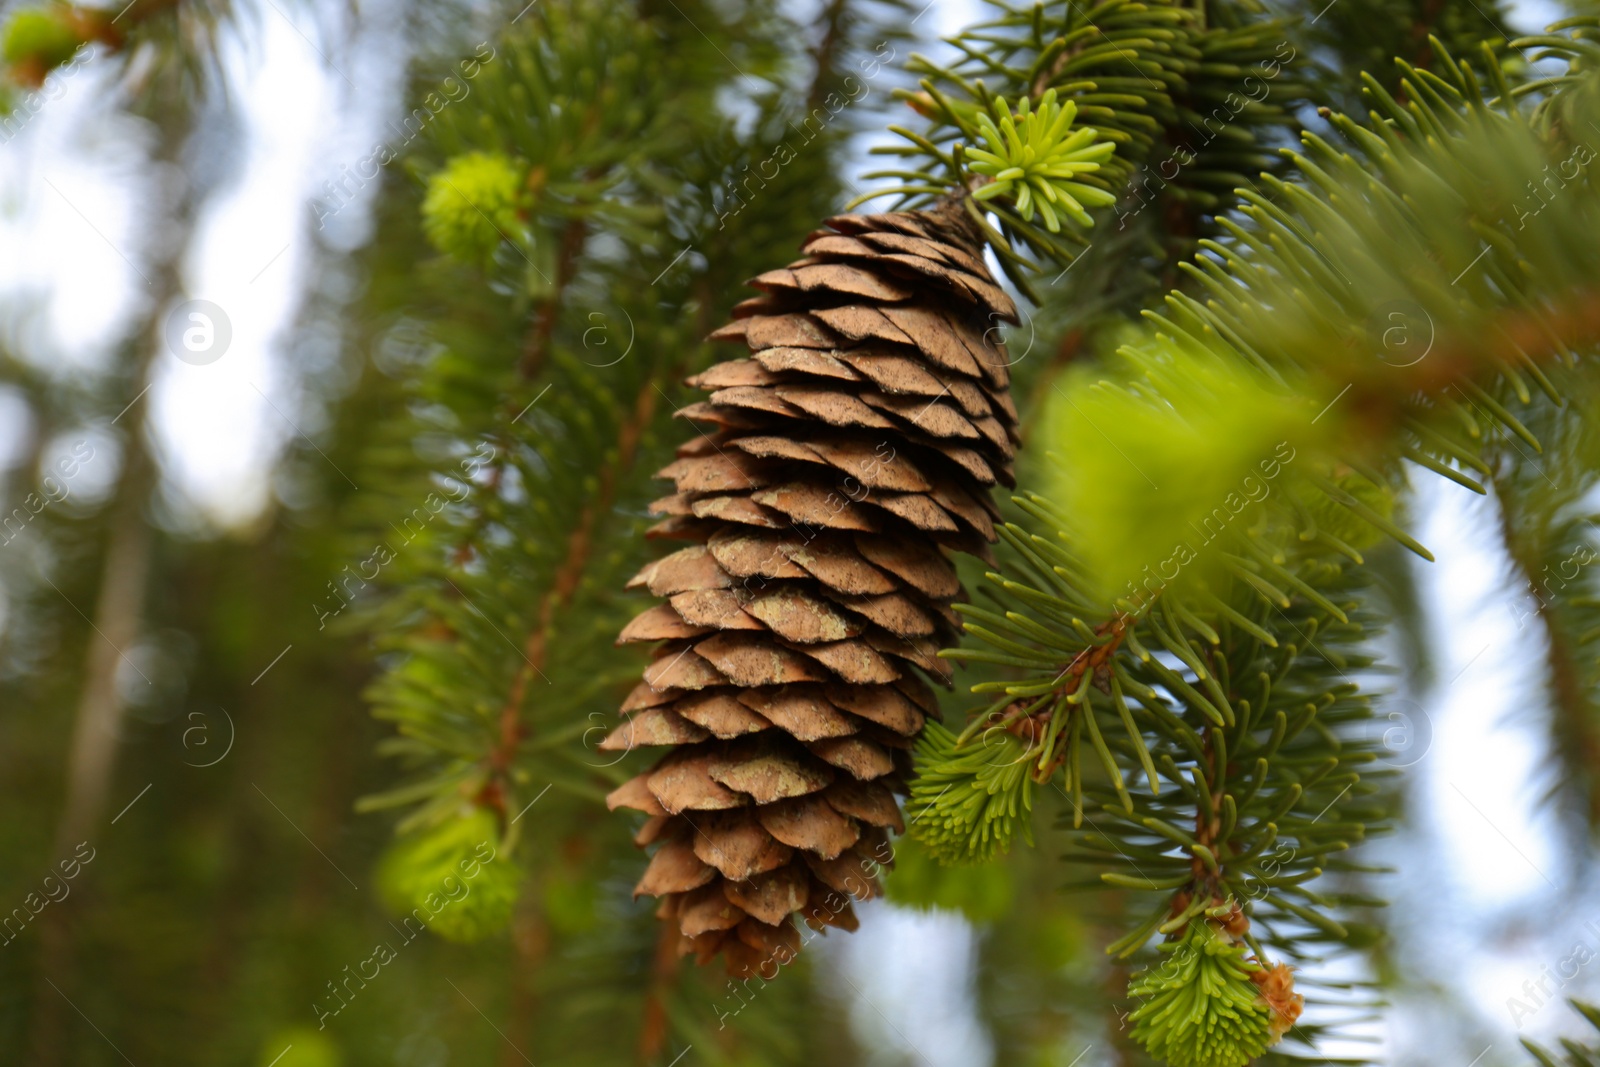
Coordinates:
39 35
454 876
967 801
1200 1008
1036 167
1177 457
299 1046
472 205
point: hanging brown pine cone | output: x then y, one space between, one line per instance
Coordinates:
832 472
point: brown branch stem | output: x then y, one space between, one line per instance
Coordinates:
536 345
564 584
1570 702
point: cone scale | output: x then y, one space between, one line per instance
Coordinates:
835 469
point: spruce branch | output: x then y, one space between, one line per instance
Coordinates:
519 577
1547 530
568 575
1247 658
520 511
1191 103
1306 292
1235 699
1369 34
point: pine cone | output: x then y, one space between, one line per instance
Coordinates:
831 473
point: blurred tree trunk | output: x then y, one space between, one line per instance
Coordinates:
124 580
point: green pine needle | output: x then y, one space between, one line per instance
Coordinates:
1577 1055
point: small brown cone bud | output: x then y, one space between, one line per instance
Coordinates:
923 104
1276 985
